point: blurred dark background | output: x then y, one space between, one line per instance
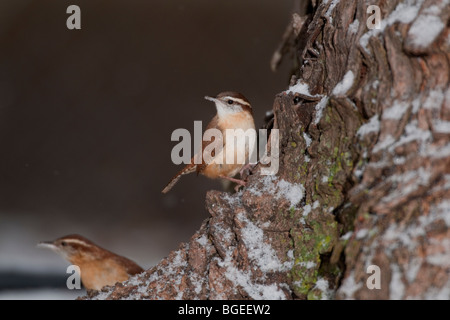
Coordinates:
86 118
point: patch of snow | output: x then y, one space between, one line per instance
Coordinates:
396 287
447 92
292 192
412 133
203 240
177 262
353 27
413 179
405 12
298 283
372 126
399 160
447 181
434 9
383 144
263 256
324 287
349 286
290 254
380 164
233 199
102 295
135 280
320 106
362 233
307 138
331 8
405 235
307 264
316 204
441 126
413 268
346 236
400 235
306 210
439 152
425 29
346 83
301 88
439 259
197 281
224 231
442 211
396 111
375 84
265 224
416 105
259 251
255 290
434 100
442 293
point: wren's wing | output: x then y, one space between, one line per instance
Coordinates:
133 269
130 266
212 124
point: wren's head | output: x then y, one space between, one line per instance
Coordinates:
230 102
99 266
74 248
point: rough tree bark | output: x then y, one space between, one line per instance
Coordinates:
364 173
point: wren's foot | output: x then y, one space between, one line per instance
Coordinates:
248 167
239 183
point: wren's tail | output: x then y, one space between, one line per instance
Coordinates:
186 170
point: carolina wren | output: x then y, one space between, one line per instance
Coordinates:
233 112
99 267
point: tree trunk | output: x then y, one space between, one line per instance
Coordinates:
364 175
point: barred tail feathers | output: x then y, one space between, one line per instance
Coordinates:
186 170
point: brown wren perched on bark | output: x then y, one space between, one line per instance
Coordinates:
99 267
233 112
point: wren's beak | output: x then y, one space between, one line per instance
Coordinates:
211 99
47 245
55 248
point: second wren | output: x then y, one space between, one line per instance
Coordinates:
233 112
99 267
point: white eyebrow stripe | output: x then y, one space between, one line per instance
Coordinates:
76 241
238 100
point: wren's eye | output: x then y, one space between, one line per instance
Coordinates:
230 101
296 100
64 243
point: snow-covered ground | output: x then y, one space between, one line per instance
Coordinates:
41 294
